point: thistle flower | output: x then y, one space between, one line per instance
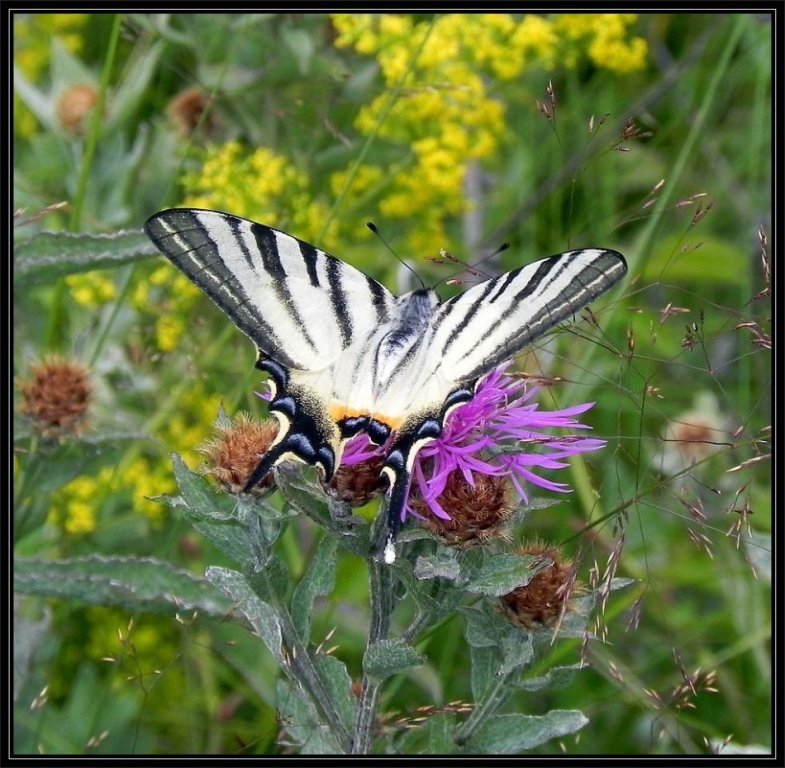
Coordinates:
356 483
478 511
542 601
501 433
187 110
73 106
57 396
233 455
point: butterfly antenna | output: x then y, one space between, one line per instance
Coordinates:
472 269
378 234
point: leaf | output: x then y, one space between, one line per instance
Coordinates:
133 583
431 736
199 497
389 657
517 651
439 566
336 681
307 498
134 86
555 678
264 619
485 664
300 723
508 734
50 255
484 628
226 533
501 574
319 579
301 44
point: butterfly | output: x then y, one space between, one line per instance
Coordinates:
345 355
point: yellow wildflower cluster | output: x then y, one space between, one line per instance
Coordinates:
74 506
604 37
259 185
187 429
169 294
147 479
91 289
439 73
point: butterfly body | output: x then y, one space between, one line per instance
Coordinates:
345 355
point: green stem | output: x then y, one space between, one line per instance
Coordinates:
300 669
95 125
382 583
489 702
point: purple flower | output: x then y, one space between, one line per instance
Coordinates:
501 432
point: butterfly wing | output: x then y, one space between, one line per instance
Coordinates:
471 334
299 305
475 331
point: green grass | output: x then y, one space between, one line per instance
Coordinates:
162 359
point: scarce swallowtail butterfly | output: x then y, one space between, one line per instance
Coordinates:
345 355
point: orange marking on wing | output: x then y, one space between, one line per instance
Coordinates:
340 411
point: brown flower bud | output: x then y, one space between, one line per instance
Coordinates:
57 396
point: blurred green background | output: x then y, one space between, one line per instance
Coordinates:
648 134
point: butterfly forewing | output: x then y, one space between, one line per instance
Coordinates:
300 306
479 329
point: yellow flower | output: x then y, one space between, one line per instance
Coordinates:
255 185
80 518
617 56
168 332
74 506
91 289
603 35
536 39
145 481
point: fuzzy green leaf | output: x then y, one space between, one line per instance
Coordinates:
439 566
484 628
301 723
485 665
554 679
212 515
509 734
319 580
517 651
336 681
51 255
133 583
501 574
262 616
388 657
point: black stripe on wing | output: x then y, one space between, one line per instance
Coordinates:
266 243
483 327
187 243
